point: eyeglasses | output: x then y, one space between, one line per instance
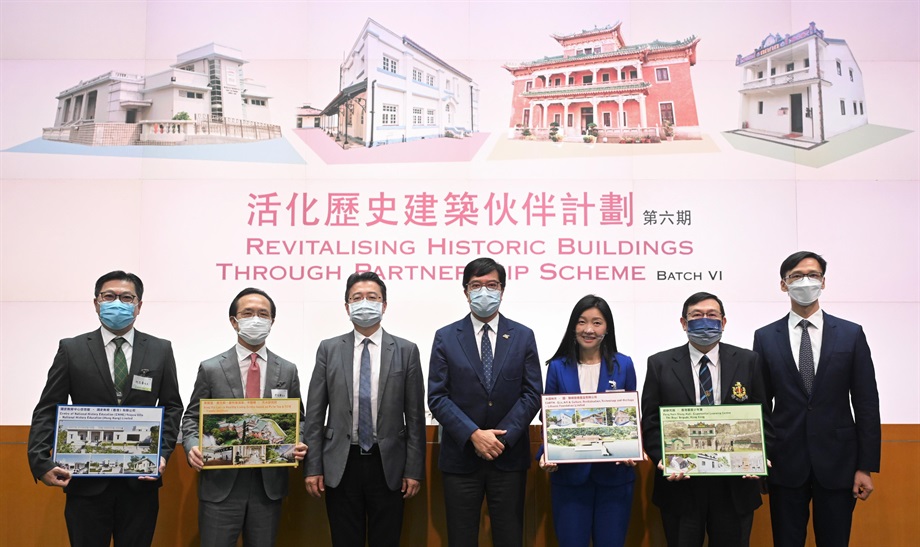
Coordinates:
814 276
370 297
261 314
700 315
491 285
125 297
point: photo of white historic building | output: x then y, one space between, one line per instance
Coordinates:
203 98
801 89
394 90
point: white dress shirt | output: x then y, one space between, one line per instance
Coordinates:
493 332
815 331
245 361
373 349
108 341
714 371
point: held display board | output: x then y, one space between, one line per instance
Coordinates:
238 433
713 440
637 150
108 441
592 427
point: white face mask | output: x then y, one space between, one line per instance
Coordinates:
254 330
365 313
804 291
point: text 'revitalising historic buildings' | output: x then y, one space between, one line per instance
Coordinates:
201 99
801 89
392 90
599 79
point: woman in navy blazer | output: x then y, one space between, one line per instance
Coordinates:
591 501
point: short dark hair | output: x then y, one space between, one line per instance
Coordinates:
247 291
699 297
483 266
793 260
119 275
569 348
365 276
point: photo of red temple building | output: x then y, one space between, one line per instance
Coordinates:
599 79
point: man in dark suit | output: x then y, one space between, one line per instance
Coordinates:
114 365
241 501
703 372
370 455
815 367
484 400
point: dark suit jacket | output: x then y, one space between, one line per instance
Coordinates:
669 382
820 433
459 400
80 371
219 378
563 378
400 410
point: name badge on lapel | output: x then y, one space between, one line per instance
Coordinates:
279 394
142 383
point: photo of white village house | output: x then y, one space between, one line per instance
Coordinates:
204 98
801 89
111 434
391 90
107 438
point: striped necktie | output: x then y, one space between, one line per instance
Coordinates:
706 397
121 370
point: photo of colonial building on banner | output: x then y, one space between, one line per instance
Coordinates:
602 86
392 90
203 98
801 89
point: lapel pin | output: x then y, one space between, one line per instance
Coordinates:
280 384
506 336
145 372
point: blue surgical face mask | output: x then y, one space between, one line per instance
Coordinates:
116 315
365 313
704 332
483 303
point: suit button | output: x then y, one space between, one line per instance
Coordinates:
490 403
809 407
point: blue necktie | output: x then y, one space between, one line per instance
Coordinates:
365 417
706 397
806 358
487 356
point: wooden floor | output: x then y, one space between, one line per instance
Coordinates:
32 514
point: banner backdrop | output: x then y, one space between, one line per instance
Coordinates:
212 146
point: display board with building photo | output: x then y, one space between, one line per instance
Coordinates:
237 433
713 440
592 427
102 441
